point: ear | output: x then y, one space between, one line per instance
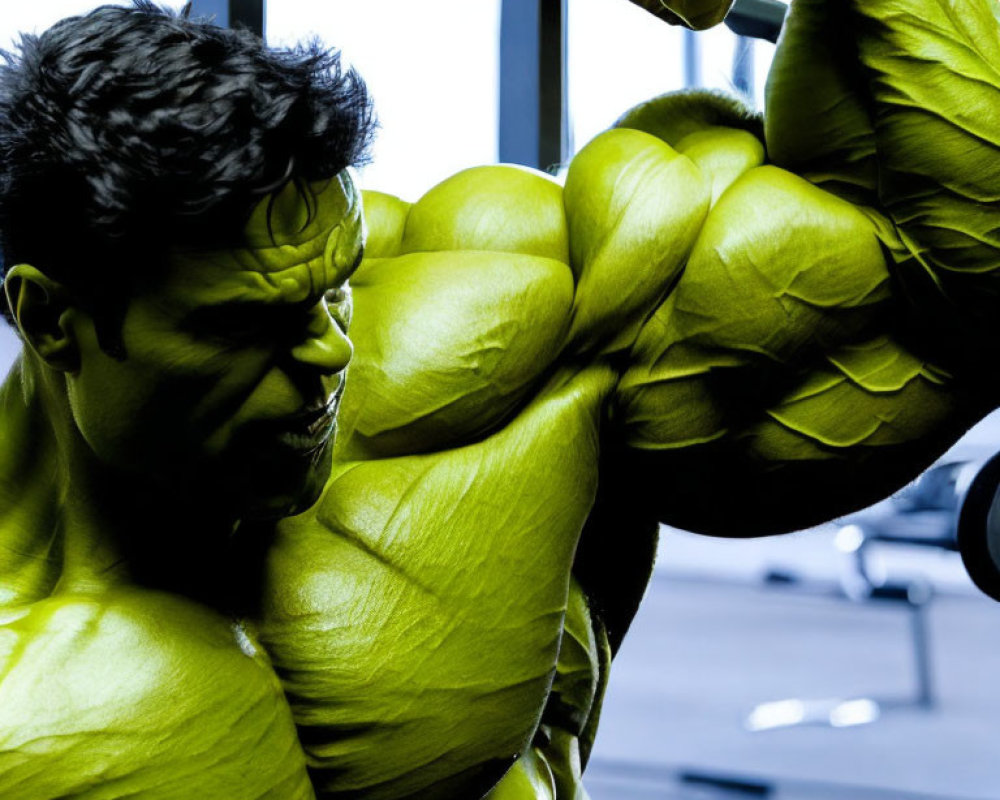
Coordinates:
42 311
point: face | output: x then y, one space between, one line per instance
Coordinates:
235 359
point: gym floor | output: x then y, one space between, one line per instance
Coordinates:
713 640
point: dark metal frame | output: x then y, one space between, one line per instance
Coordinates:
534 125
758 19
230 13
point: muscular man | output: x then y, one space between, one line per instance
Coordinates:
734 325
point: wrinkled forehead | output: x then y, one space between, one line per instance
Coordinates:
298 241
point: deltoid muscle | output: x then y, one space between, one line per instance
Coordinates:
745 334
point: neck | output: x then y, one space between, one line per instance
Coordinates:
70 523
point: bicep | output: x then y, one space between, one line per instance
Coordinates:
769 392
831 443
460 306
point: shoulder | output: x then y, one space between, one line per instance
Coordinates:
460 307
497 208
139 692
471 296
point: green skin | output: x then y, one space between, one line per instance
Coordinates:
701 326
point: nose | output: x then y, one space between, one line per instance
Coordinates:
324 346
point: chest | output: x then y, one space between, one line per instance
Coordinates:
415 615
140 694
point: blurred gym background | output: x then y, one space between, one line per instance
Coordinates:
849 662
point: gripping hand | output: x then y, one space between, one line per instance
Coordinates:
694 14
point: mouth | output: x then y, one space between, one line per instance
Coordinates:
305 432
313 416
310 429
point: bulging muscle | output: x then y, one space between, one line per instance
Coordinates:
127 692
708 330
677 292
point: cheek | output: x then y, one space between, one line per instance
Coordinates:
110 404
256 392
234 397
161 404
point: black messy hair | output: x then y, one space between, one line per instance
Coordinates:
132 129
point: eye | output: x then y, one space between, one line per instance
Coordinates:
230 324
337 295
338 300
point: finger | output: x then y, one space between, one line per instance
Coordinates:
694 14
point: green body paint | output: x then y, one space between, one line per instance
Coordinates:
539 375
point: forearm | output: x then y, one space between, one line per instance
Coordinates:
831 336
892 104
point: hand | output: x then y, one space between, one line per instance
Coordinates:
694 14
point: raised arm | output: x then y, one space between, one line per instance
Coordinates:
825 340
684 332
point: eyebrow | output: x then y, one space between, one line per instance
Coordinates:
243 315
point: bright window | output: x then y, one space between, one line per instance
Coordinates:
432 69
619 55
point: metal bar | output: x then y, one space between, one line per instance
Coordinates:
519 68
692 60
743 67
759 19
230 13
534 126
219 9
922 655
249 14
553 133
